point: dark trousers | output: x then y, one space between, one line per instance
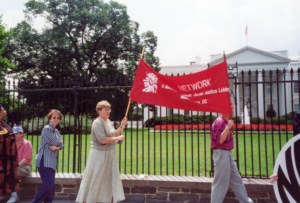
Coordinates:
47 190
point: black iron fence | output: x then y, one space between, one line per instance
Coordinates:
159 140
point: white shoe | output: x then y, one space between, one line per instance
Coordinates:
13 199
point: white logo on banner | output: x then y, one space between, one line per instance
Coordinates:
150 83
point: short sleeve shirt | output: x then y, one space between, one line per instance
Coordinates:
217 128
100 130
25 151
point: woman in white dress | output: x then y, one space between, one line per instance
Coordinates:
101 181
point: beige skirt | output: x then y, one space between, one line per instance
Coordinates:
101 179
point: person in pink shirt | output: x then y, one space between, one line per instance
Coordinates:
24 149
226 172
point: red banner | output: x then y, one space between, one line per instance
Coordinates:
207 90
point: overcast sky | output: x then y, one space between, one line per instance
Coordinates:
186 28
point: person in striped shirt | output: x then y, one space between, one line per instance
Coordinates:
226 172
46 159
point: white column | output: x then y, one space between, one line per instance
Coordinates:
281 98
146 114
288 93
260 96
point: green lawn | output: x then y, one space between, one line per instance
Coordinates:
174 154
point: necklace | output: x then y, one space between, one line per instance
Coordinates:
3 132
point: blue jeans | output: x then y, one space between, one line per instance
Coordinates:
46 191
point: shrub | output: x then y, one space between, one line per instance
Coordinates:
179 119
176 120
151 122
271 112
268 121
135 117
283 120
207 119
237 119
256 120
203 119
188 119
288 116
275 120
164 120
197 119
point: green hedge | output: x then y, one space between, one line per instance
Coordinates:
179 119
239 119
287 118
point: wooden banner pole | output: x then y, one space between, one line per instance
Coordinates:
129 98
224 56
127 108
142 52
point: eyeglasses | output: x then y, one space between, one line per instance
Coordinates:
106 110
58 118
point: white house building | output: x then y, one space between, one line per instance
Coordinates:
261 96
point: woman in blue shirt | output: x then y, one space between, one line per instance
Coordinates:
46 159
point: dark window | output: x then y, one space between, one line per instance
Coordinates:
269 89
296 106
247 89
296 87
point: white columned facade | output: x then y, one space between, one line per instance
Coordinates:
260 96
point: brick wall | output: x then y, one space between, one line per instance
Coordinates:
155 191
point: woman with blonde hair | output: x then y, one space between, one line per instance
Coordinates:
101 180
46 159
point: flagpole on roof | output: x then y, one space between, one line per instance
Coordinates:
247 31
129 98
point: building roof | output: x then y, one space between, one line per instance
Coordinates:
268 57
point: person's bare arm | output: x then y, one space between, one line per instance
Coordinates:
225 132
53 148
108 140
273 178
122 126
22 162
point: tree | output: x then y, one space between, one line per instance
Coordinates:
271 112
6 98
91 37
4 64
150 42
95 39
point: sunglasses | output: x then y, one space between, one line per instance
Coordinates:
56 118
